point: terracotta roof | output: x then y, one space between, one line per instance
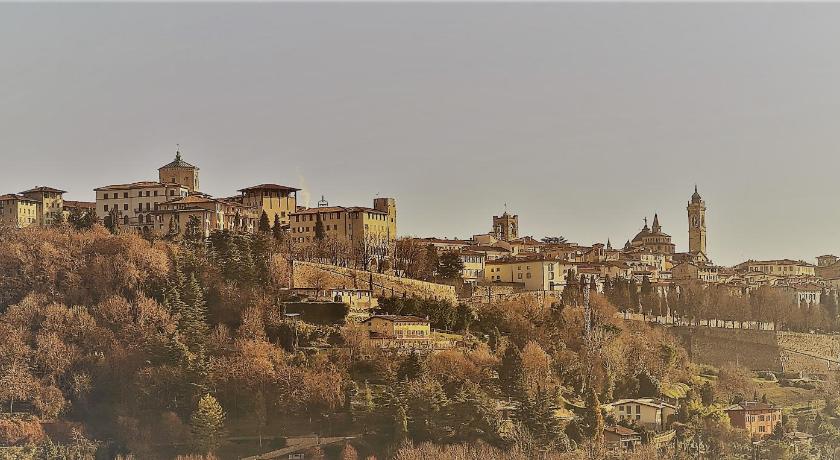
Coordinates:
327 209
43 189
141 184
12 196
269 187
750 405
620 430
79 204
400 318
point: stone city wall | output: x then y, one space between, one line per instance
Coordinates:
321 276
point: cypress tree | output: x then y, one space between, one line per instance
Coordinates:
320 233
411 367
510 370
593 420
265 225
277 228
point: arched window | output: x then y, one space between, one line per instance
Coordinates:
125 220
149 219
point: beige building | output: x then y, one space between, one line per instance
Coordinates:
132 206
179 172
651 413
172 218
398 327
534 273
358 226
781 267
690 271
50 204
18 211
473 265
273 199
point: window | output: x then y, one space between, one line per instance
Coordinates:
125 194
105 196
519 275
106 208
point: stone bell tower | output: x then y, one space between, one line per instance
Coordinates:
696 224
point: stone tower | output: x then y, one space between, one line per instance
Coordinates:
388 205
506 227
179 172
696 224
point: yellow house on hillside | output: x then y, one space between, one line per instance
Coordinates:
398 327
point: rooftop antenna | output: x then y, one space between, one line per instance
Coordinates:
177 151
322 203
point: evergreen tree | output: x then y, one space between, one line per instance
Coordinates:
450 265
593 419
193 321
510 370
320 232
571 292
400 424
265 225
277 229
410 368
207 423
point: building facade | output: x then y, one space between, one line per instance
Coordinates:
18 211
132 206
202 215
534 273
358 226
759 419
50 204
273 199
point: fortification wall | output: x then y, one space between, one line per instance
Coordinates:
753 349
762 350
312 275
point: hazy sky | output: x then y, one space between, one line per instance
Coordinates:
584 118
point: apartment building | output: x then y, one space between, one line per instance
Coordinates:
780 267
273 199
534 273
50 204
173 218
356 225
132 206
18 211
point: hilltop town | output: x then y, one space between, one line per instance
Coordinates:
158 320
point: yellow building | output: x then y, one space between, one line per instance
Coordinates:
398 327
132 206
172 218
473 261
690 271
50 203
356 225
781 267
273 199
534 273
179 172
18 211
